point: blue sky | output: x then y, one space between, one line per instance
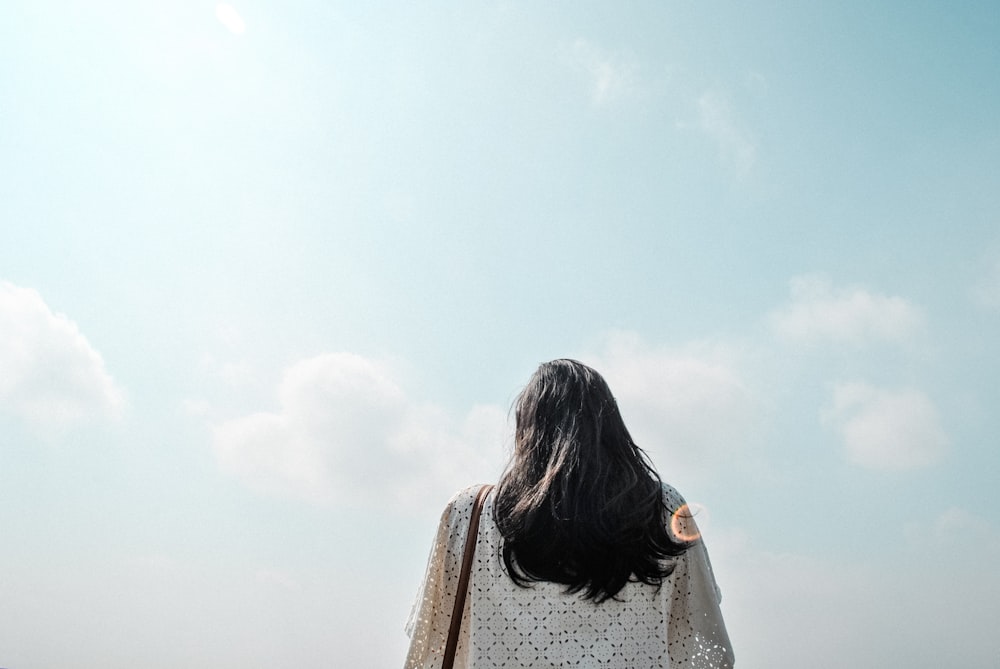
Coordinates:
272 273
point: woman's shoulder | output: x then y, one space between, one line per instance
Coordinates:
465 497
682 521
672 498
460 505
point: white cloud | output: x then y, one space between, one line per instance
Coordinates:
954 526
855 316
716 119
611 76
346 432
691 406
50 375
886 429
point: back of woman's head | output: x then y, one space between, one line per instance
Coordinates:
579 503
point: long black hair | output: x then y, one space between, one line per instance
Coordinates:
579 503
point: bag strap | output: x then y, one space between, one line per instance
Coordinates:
463 579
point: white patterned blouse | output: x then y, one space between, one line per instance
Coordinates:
677 625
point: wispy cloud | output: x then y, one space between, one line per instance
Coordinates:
818 312
230 18
886 429
717 120
50 375
346 432
986 290
610 75
953 526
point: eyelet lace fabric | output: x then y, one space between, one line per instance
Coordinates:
678 625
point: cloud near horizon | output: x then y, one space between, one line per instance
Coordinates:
886 429
346 432
50 375
819 312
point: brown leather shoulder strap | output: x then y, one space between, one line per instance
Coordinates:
463 579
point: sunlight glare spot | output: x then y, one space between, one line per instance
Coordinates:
230 18
682 522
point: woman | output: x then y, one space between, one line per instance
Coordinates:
584 557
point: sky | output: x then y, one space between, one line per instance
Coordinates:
272 273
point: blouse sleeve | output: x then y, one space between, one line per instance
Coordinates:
430 617
696 632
